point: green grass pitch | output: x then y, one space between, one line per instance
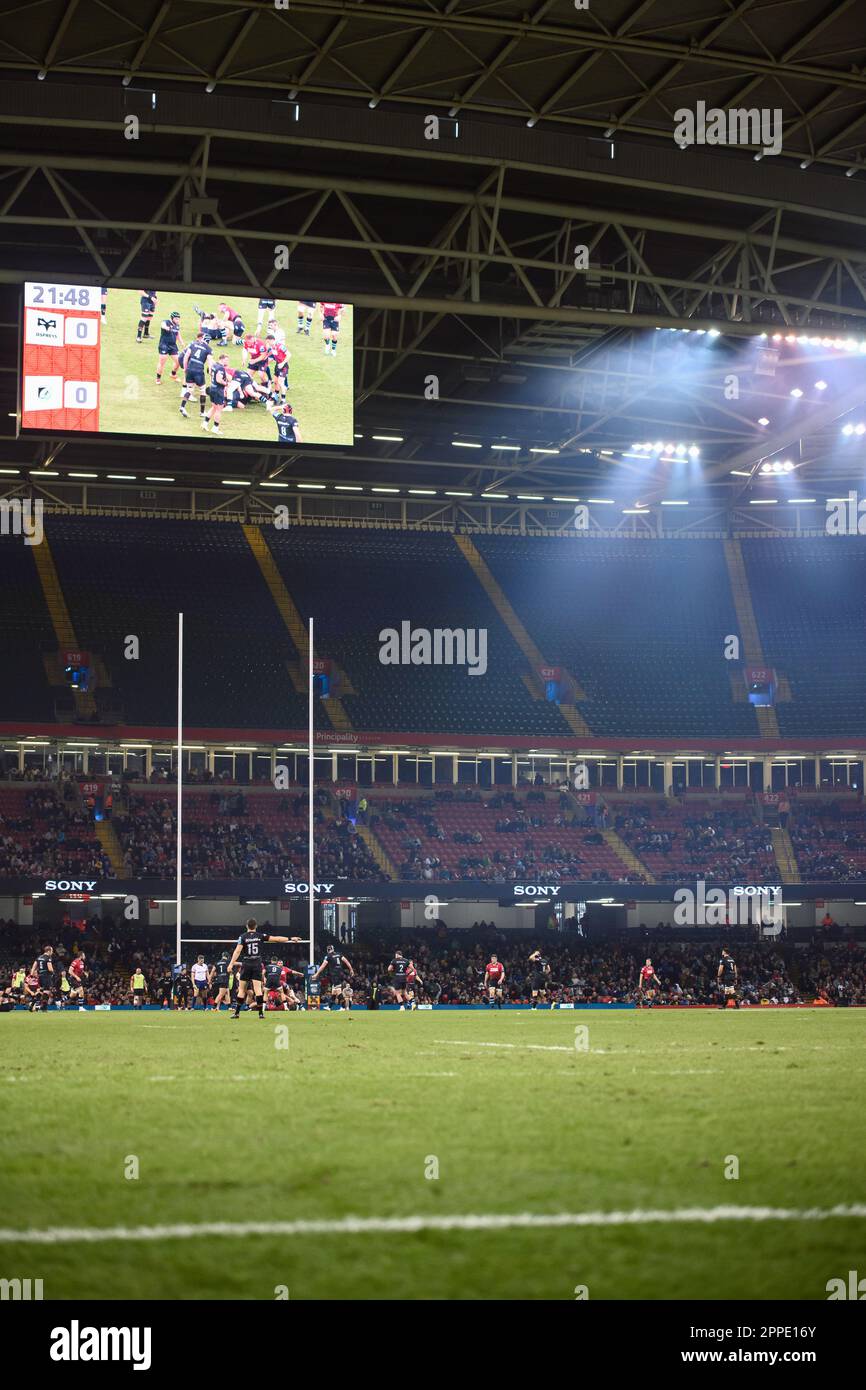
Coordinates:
321 386
347 1120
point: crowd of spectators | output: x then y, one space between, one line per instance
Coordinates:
50 830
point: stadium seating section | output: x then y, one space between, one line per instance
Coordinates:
640 626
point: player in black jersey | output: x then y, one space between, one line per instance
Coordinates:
194 361
339 974
171 344
182 989
287 425
47 979
241 390
216 392
274 977
397 970
727 976
539 979
219 980
248 954
147 309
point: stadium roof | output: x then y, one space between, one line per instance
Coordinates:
308 125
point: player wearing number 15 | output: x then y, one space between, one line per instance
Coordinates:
248 952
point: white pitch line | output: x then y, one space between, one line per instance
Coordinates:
535 1047
387 1225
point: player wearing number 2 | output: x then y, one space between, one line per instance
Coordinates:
248 952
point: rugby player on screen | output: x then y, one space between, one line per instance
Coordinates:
267 309
171 344
645 983
216 393
306 310
147 309
231 323
331 326
194 361
287 426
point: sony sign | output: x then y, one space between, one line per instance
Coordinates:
535 890
70 885
318 888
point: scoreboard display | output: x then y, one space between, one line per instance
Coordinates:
152 363
60 358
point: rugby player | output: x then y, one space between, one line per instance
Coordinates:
138 987
306 310
398 968
248 952
216 393
267 309
331 326
274 984
241 390
194 361
286 423
232 323
278 334
30 994
182 989
219 980
280 357
339 972
294 1001
645 983
255 357
46 978
171 344
539 979
494 979
147 309
728 977
77 976
412 979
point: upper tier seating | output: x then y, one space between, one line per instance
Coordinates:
356 584
124 577
809 598
641 626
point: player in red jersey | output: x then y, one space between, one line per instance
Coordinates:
293 1001
280 358
331 326
412 979
255 357
645 983
231 321
77 975
494 979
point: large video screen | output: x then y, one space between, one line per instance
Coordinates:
154 363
